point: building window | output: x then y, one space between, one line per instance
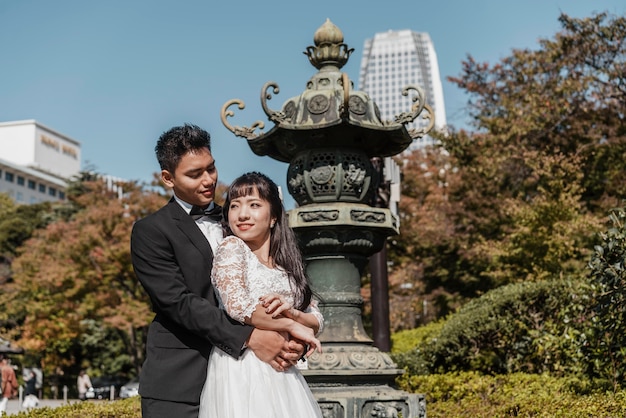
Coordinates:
19 197
32 184
52 191
61 195
42 188
20 180
8 176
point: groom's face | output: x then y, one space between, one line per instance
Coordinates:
194 179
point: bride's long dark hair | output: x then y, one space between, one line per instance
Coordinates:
284 248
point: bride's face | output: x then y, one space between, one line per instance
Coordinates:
249 217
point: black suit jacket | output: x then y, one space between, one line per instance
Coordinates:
172 259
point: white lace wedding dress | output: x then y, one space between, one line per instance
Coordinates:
249 387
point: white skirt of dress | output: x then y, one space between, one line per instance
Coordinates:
249 388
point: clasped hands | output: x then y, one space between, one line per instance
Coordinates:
278 307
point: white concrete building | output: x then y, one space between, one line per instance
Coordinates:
36 161
395 59
28 186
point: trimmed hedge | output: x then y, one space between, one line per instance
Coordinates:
450 395
469 394
126 408
531 327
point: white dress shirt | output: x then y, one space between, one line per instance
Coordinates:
211 229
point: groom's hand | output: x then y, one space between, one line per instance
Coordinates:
298 347
275 348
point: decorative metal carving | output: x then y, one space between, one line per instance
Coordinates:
329 47
430 116
240 131
324 241
318 104
365 243
320 216
296 184
345 83
385 410
315 237
339 358
290 110
322 175
357 105
330 175
354 176
416 109
274 116
332 410
368 216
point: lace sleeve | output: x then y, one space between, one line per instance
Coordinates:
314 309
229 278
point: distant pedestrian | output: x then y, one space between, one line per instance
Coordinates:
30 392
9 382
84 384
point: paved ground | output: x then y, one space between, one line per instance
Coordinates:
14 406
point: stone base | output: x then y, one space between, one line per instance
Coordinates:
368 401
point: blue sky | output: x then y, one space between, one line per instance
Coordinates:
115 74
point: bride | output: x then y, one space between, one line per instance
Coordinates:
259 275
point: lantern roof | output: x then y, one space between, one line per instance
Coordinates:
329 113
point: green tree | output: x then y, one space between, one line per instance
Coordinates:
549 235
426 268
527 190
566 98
19 221
17 224
7 209
76 273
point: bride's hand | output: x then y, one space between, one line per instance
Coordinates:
276 305
305 334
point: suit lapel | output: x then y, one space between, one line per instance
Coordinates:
189 227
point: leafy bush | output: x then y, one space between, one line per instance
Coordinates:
606 351
407 340
527 327
470 394
451 395
573 327
407 346
127 408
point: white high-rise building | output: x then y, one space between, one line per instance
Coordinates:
396 59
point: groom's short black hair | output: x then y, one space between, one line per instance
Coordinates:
178 141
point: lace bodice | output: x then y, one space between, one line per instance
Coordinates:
241 279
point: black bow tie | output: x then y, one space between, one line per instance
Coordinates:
215 213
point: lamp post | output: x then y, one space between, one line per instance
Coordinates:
329 134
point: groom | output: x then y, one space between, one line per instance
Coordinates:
172 257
